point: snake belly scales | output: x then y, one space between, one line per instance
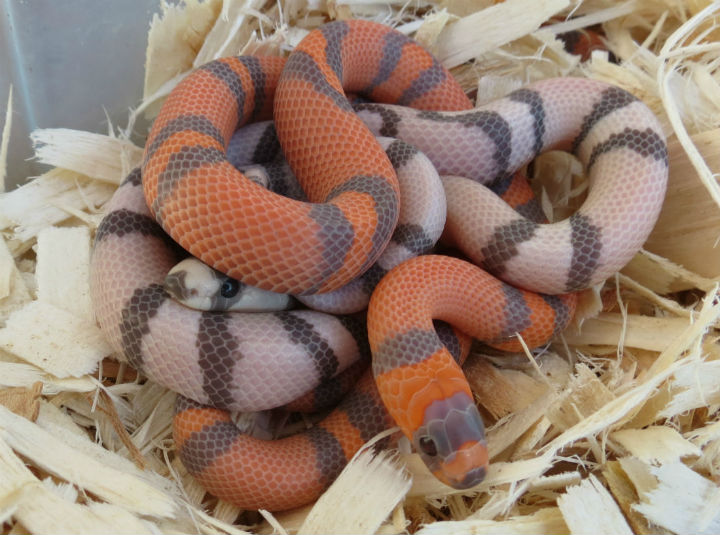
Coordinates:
187 193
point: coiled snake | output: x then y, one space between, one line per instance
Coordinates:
256 361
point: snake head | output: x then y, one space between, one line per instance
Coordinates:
198 286
451 441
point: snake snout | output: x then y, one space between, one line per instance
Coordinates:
466 467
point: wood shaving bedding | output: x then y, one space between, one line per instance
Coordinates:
614 428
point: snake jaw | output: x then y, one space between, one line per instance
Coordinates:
452 443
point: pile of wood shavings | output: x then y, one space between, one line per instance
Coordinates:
612 429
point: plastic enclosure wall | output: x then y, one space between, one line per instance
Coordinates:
69 63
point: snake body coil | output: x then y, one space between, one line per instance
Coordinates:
222 361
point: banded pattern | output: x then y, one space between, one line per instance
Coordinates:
238 468
329 393
257 236
280 474
236 362
186 146
421 218
421 221
420 382
230 221
615 136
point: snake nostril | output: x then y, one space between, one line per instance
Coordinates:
427 446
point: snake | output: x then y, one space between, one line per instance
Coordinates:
188 199
420 223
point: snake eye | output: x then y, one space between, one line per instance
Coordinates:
427 446
229 288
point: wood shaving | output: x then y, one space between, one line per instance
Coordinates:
590 504
5 140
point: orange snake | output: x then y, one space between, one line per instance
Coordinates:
257 361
